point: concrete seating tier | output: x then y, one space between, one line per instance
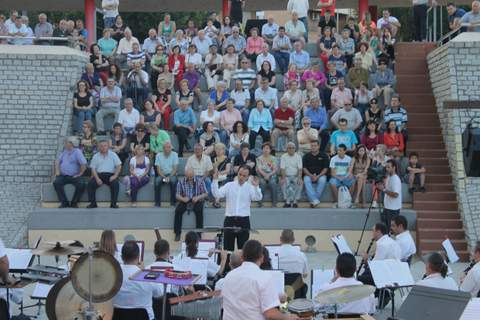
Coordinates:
146 196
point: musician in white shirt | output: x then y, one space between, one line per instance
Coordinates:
239 195
161 250
248 292
290 258
436 270
235 262
403 237
345 276
471 282
135 294
15 295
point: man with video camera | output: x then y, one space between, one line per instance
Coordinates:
393 193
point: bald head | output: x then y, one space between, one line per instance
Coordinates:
236 259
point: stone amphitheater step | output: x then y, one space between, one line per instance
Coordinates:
413 49
426 145
442 233
423 130
425 138
434 214
410 66
429 153
439 223
423 120
439 178
411 99
435 196
413 84
435 161
442 169
436 205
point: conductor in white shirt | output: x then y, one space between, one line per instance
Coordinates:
436 274
135 294
393 193
345 276
471 282
403 238
248 291
239 195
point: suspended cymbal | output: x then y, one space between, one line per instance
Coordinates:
63 303
62 243
344 294
57 251
107 276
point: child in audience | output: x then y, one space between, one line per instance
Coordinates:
415 174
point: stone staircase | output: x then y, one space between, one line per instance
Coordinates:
437 209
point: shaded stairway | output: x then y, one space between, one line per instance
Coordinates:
437 209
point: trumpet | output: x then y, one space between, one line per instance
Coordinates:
363 261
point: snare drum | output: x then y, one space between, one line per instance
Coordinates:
303 308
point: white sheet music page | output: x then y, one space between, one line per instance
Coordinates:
19 258
341 243
41 290
204 247
140 247
389 272
319 278
472 311
278 280
451 254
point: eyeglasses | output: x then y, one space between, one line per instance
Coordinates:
140 130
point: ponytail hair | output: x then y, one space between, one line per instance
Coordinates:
437 264
191 243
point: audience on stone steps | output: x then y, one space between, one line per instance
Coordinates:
229 88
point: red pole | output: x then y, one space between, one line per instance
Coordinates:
90 20
362 8
225 8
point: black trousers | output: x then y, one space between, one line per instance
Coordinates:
389 215
61 181
182 135
420 22
253 136
229 236
180 210
93 186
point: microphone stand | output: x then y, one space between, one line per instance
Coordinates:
367 216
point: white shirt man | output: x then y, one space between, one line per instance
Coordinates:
471 283
248 291
393 184
266 56
344 276
290 258
387 248
129 117
406 244
299 6
435 280
110 8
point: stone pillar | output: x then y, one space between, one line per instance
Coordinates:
362 9
90 20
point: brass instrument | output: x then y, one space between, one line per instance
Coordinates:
363 261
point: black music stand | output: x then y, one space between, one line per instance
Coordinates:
433 303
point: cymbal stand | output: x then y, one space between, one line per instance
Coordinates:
90 313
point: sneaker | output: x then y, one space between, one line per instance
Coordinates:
158 205
177 237
73 205
374 204
92 205
423 190
286 205
114 206
294 205
64 205
216 205
260 204
134 205
128 192
335 205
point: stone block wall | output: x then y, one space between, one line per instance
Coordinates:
36 91
455 76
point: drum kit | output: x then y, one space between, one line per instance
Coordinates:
85 292
308 309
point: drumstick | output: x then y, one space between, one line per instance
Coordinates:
157 233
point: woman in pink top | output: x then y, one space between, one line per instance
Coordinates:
254 45
315 75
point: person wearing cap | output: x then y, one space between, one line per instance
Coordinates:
213 66
69 168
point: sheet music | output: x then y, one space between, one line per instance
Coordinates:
41 290
196 266
140 246
19 259
451 254
273 250
278 280
390 273
320 278
472 311
341 244
204 247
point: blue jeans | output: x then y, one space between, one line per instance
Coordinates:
345 182
208 186
108 22
245 112
82 115
282 59
314 190
305 23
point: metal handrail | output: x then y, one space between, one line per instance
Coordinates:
36 38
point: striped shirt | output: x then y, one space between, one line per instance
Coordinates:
399 116
246 76
190 190
280 42
134 57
